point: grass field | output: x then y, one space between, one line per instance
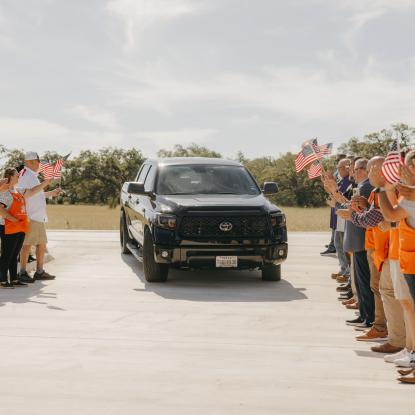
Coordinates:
103 218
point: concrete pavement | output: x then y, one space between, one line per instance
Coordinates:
99 340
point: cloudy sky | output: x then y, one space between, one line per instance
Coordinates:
259 76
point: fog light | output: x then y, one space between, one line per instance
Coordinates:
281 252
165 254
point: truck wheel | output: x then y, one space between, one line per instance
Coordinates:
124 237
271 272
153 271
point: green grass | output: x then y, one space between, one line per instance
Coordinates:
104 218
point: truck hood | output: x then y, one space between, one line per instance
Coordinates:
196 202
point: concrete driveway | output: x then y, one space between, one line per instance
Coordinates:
99 340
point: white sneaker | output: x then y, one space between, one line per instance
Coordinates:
407 361
390 358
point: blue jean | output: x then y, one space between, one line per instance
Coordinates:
410 279
341 255
364 292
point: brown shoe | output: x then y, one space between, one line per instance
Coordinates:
406 372
341 279
350 301
354 306
335 275
371 335
386 348
409 379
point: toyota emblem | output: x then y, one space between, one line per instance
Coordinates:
225 226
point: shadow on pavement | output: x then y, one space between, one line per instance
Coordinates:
237 286
32 293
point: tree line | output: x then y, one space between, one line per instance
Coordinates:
95 177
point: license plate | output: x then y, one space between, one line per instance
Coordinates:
226 262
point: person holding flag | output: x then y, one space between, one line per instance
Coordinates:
36 210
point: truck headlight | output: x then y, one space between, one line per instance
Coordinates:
166 221
278 220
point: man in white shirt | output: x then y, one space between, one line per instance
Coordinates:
36 210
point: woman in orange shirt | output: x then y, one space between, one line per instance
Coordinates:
13 210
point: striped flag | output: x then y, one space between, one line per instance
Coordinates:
393 161
57 170
326 149
305 157
46 169
314 170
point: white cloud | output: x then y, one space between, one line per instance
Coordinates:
303 94
141 14
100 118
42 135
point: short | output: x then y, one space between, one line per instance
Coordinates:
410 279
36 234
400 285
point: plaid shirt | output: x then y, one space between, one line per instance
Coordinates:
368 219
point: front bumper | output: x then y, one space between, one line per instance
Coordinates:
204 256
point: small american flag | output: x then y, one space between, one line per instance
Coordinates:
57 170
46 169
326 149
393 161
314 170
306 156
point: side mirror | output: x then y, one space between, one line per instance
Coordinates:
270 188
136 188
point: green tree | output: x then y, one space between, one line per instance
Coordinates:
192 150
378 143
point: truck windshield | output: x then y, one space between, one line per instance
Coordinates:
205 179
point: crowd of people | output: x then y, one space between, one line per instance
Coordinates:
22 223
373 225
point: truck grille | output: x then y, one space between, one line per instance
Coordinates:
224 226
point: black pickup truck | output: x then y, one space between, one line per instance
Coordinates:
194 213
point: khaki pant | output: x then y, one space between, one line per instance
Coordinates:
380 319
393 309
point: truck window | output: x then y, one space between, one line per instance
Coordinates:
149 181
143 173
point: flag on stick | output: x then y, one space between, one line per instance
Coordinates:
314 171
46 169
392 163
326 149
305 157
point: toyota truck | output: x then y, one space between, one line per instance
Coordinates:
201 213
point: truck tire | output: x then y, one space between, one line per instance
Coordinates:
153 271
124 237
271 272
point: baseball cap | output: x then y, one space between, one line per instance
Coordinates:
31 155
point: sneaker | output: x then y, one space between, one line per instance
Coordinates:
25 277
406 361
343 288
345 296
6 285
18 283
328 251
390 358
372 335
356 322
43 276
363 327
